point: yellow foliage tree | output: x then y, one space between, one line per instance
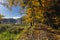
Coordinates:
36 10
1 17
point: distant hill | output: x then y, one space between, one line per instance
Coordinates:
10 20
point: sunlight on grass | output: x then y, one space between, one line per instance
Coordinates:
6 35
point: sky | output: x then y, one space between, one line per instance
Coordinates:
15 13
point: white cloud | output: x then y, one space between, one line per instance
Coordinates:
11 17
16 17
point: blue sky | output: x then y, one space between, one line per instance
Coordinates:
10 14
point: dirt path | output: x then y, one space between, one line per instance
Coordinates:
41 32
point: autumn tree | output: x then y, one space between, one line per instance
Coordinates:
34 11
1 17
52 14
44 11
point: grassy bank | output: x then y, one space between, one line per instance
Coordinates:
11 32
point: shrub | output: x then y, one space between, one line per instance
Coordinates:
15 30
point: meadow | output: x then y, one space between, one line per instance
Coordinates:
11 31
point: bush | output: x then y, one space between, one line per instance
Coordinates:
15 30
3 28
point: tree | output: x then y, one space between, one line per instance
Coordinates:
33 10
52 13
1 17
36 10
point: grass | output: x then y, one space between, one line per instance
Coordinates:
24 31
5 35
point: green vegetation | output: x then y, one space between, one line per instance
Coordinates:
7 36
11 32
